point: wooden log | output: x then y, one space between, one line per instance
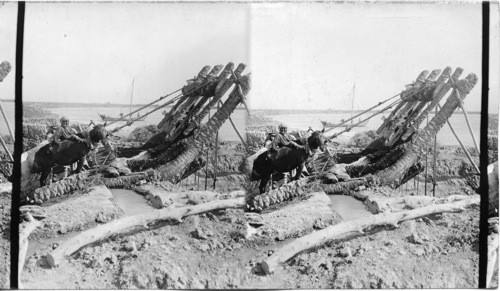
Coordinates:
397 171
63 187
221 90
360 169
400 121
440 92
281 194
142 220
388 120
166 119
25 230
357 226
161 199
423 97
381 204
188 110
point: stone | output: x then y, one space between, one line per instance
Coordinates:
419 252
414 238
203 247
113 259
390 243
130 246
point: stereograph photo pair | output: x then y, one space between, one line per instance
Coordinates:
243 145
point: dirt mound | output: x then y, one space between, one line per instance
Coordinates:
255 139
492 146
362 139
34 111
5 203
143 133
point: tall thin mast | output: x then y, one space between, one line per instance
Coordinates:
132 95
352 100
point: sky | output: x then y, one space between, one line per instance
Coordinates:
311 54
8 20
301 55
91 52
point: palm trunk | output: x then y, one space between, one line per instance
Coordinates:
421 99
439 93
221 90
401 118
395 173
185 90
176 169
388 121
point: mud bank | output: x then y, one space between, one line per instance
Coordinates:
5 205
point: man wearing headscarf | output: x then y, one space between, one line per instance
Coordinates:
283 138
65 132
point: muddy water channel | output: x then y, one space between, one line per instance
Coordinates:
130 202
349 207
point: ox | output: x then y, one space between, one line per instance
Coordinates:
68 152
286 159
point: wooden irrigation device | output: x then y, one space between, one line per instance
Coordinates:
396 155
176 150
5 68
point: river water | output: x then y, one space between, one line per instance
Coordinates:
445 137
85 114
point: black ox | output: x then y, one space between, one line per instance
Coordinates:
286 159
67 152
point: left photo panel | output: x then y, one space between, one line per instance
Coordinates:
8 20
133 138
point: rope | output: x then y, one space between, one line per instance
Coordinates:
426 82
426 168
131 121
350 127
145 106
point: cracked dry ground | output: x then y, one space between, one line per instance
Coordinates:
210 251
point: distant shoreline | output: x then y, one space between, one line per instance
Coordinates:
266 111
311 111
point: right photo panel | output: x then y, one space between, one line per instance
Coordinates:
364 129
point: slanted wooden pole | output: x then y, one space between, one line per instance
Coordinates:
145 106
206 166
216 153
6 149
434 162
468 122
236 129
404 97
6 121
361 113
146 114
361 121
461 144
